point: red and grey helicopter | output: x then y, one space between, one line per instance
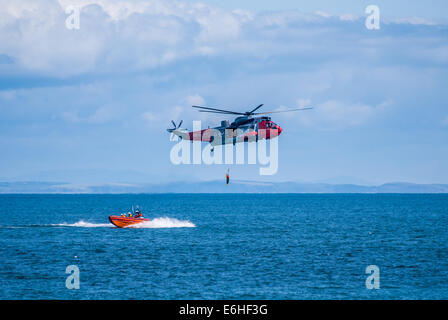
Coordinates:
245 127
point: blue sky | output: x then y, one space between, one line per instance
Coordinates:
92 105
391 8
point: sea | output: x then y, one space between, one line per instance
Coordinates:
225 246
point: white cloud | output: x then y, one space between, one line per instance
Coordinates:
332 115
323 14
114 35
162 116
101 115
195 99
119 36
348 17
413 21
149 116
303 103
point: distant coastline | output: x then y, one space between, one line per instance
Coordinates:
236 186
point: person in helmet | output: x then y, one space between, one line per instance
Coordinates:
138 213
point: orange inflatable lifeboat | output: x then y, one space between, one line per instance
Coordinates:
122 222
130 219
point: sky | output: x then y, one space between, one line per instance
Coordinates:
92 105
393 8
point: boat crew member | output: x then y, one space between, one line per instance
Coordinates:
138 213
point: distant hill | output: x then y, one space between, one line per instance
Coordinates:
236 186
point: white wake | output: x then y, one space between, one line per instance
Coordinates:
164 222
83 224
157 223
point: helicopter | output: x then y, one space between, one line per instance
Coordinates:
245 127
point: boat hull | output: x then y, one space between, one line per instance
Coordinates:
123 222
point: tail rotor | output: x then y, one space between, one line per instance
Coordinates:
175 127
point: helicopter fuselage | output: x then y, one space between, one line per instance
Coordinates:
248 126
241 130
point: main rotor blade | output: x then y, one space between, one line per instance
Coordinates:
174 124
251 112
269 112
221 112
214 109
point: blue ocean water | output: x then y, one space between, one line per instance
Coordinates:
225 246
